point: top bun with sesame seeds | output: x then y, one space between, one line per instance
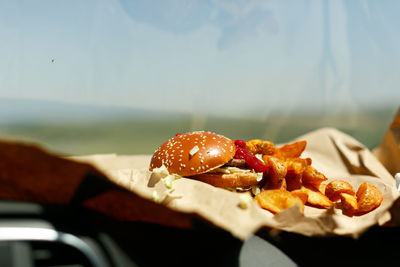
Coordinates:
194 153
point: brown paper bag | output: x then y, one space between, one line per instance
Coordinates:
389 150
334 153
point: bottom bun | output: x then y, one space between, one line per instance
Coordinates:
235 179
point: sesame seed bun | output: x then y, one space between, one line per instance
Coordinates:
194 153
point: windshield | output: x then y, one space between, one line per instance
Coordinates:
82 77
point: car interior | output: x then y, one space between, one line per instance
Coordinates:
90 79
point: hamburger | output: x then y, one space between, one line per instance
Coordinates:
210 158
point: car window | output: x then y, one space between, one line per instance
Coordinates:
82 77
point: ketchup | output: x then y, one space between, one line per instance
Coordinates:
240 143
252 161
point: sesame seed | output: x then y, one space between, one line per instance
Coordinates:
193 151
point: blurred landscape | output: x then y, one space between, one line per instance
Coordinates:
71 129
124 76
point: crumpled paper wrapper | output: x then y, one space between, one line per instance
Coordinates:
123 188
333 153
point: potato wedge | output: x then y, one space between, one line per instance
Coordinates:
293 182
312 176
292 150
300 194
321 188
295 169
336 187
281 184
316 198
278 200
368 197
276 169
349 204
257 146
297 165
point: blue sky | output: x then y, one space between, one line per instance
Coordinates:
202 56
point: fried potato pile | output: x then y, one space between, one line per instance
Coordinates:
292 180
